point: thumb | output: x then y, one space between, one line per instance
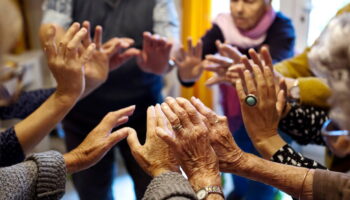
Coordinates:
133 140
120 134
167 138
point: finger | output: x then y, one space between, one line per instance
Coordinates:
204 110
151 120
283 86
116 118
98 37
73 45
190 46
281 103
240 91
161 43
87 38
88 53
159 116
147 43
270 81
181 55
199 49
179 111
249 82
255 57
231 52
265 53
224 61
172 118
190 109
166 137
68 36
214 80
120 134
50 44
246 63
133 141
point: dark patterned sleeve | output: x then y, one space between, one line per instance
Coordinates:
27 103
304 123
10 149
287 155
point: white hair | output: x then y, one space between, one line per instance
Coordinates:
330 59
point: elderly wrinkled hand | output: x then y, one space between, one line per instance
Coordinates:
154 57
66 61
99 141
191 143
155 157
189 62
221 139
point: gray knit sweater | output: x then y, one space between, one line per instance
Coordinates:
41 176
171 186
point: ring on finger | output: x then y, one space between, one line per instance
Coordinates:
177 127
251 100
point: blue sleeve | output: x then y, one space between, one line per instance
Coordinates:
281 38
10 149
27 103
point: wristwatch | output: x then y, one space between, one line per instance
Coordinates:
204 192
294 93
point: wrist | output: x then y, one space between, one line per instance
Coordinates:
66 98
202 180
267 147
70 161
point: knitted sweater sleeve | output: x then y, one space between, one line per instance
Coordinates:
169 185
41 176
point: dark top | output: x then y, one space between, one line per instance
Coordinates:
127 85
303 123
280 38
10 149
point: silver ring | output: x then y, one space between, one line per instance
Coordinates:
177 127
251 100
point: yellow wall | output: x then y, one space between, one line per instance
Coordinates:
195 22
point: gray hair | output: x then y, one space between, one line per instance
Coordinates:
330 59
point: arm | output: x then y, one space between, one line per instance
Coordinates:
42 176
295 181
26 104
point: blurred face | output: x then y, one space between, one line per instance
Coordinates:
247 13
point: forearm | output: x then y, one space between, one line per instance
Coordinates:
290 179
267 147
36 126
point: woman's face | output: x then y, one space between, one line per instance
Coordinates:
247 13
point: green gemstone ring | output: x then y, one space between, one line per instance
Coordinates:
251 100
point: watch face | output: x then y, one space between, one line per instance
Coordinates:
201 194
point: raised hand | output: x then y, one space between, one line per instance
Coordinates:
221 139
191 143
261 108
220 64
99 141
189 62
106 57
155 157
154 57
67 61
